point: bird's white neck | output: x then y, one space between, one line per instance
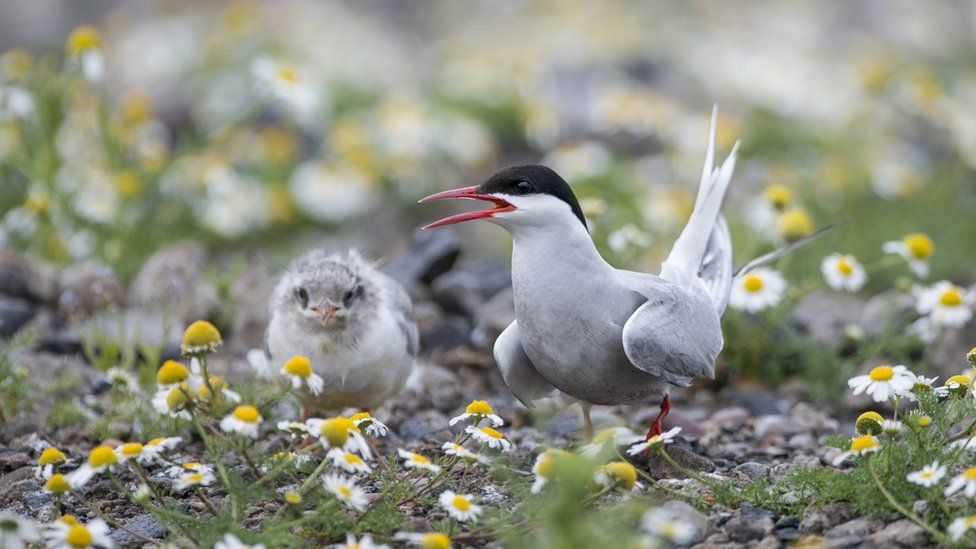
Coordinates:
562 246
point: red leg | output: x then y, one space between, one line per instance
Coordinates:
656 424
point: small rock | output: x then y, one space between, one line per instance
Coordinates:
36 499
14 313
421 425
173 279
809 418
430 254
88 287
743 529
451 332
775 425
145 525
802 440
824 315
859 527
493 317
818 519
13 459
904 533
463 290
731 418
768 542
759 402
659 468
25 278
751 470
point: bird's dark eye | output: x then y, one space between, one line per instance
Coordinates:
351 296
522 187
301 295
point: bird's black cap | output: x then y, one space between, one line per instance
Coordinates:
532 179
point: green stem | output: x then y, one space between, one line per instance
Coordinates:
220 466
686 472
901 509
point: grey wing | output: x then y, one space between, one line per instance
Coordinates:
675 335
519 373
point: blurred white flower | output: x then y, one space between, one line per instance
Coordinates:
668 526
965 481
946 304
579 160
915 249
757 290
15 103
84 49
230 541
285 82
883 382
332 192
628 236
843 272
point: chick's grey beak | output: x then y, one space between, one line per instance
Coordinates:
470 193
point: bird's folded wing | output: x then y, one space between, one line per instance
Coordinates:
519 373
675 335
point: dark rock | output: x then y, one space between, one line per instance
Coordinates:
659 468
145 525
787 534
751 470
759 402
15 483
818 519
812 419
564 424
902 533
731 418
88 287
421 425
775 425
451 332
14 313
824 315
13 459
493 317
250 293
36 499
858 528
743 528
464 289
429 255
172 279
24 278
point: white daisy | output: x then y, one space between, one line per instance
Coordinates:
417 461
172 403
49 459
152 449
924 384
345 491
862 445
668 526
84 48
258 360
339 432
131 450
945 303
965 481
244 420
16 531
489 436
461 507
190 479
543 467
68 533
928 476
230 541
479 410
365 542
121 377
298 369
100 459
892 427
757 290
958 528
843 272
915 249
655 441
614 436
285 83
348 462
883 382
454 449
616 474
297 429
177 471
369 424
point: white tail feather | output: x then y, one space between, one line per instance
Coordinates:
685 259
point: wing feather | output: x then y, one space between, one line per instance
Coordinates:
525 382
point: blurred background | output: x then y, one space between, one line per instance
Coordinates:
258 129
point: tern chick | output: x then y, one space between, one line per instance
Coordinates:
351 321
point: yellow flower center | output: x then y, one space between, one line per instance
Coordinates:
128 183
192 465
176 399
778 196
951 297
101 456
752 283
604 435
201 335
919 244
78 536
360 416
37 202
927 474
622 472
193 478
970 520
970 473
461 503
132 449
344 490
960 379
419 458
845 267
248 414
479 407
51 455
81 39
868 423
57 484
544 467
864 442
69 519
288 74
335 430
155 441
491 432
293 497
925 421
298 366
435 540
352 458
882 373
172 372
794 224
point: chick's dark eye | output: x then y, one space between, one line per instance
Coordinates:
522 187
351 296
301 295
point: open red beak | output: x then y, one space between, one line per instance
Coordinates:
470 193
